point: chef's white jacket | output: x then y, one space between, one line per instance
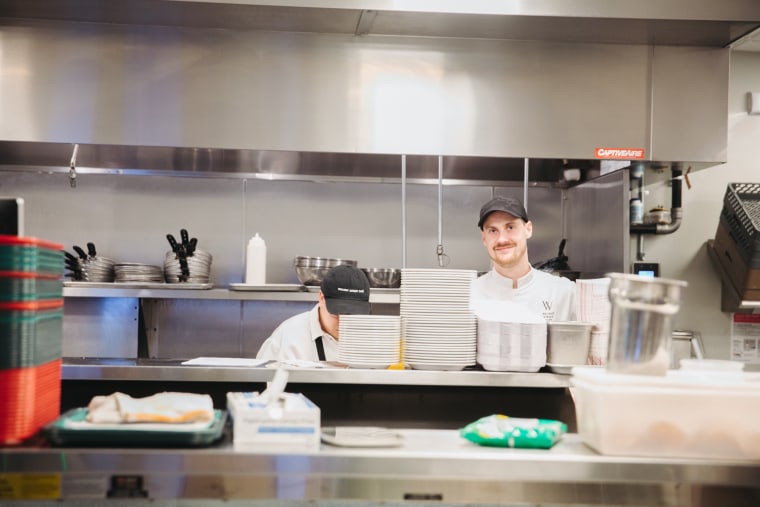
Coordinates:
295 338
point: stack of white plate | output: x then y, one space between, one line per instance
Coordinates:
369 341
438 329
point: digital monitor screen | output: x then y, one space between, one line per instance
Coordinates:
648 269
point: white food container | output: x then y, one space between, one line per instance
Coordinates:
291 422
568 342
510 337
680 415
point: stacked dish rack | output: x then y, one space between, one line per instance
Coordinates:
31 330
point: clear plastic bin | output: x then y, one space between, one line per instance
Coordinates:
679 415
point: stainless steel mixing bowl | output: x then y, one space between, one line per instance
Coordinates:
311 276
383 278
312 270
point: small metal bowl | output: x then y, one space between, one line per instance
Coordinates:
383 278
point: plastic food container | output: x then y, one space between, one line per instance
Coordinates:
679 415
567 343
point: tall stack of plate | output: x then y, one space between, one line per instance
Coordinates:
369 341
439 330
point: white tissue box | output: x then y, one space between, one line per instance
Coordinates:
291 422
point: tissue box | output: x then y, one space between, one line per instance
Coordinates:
292 421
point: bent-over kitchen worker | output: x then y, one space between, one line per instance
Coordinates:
313 335
505 230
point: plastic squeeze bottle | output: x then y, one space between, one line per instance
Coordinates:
256 261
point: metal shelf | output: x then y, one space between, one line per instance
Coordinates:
376 296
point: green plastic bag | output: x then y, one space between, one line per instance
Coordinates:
503 431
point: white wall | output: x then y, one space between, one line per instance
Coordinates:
683 255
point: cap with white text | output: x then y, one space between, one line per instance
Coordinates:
346 291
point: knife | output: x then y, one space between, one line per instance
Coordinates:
82 254
185 238
173 244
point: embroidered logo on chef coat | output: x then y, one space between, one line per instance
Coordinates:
548 313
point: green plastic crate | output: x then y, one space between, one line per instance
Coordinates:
17 286
31 255
31 333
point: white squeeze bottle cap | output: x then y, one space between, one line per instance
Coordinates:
256 261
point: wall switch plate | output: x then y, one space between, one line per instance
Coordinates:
753 102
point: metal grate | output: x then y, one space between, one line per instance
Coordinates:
741 214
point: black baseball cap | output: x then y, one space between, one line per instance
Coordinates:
346 291
506 204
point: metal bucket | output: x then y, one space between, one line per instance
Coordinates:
641 323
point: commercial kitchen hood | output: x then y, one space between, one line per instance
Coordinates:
679 22
343 88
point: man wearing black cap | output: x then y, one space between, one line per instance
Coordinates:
313 335
505 230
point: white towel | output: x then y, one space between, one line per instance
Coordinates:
166 407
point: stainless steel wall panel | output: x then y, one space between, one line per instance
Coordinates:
596 217
128 217
191 328
689 113
94 327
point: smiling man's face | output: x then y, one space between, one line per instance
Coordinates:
506 240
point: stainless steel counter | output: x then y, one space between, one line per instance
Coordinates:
169 370
432 465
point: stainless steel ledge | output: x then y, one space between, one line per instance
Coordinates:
167 370
390 296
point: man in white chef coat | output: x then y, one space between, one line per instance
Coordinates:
313 335
505 230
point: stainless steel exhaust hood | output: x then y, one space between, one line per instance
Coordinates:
342 88
680 22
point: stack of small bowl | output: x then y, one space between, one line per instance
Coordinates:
198 267
98 269
312 270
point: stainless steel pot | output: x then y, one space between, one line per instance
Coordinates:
641 323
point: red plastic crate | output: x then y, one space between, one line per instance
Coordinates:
29 399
